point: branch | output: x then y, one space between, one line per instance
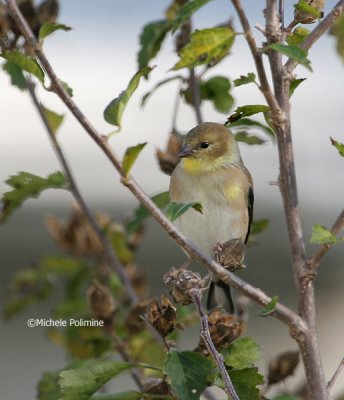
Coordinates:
313 262
317 32
257 57
284 314
335 375
111 256
205 334
196 96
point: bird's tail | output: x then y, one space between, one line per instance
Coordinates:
220 295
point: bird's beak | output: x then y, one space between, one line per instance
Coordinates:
185 151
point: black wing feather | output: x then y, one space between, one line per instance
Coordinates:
250 202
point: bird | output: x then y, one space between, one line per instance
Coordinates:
211 172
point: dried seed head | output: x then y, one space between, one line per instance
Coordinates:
168 159
223 329
181 281
164 317
101 302
157 386
135 320
282 366
303 17
137 278
230 254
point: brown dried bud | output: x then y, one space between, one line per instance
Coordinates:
230 254
136 318
168 158
164 317
77 236
303 17
223 329
157 386
282 366
101 302
181 281
137 279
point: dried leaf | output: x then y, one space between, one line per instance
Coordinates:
168 159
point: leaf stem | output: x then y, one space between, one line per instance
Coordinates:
205 334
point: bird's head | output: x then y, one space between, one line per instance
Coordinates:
209 146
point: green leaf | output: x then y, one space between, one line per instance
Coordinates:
294 84
175 210
322 235
246 111
259 226
245 79
130 157
48 387
242 353
245 137
157 86
48 28
186 11
161 200
16 74
305 7
67 88
54 120
128 395
217 89
26 185
151 39
25 62
113 112
188 372
80 383
339 146
298 35
269 308
245 383
295 52
287 397
338 32
206 46
249 123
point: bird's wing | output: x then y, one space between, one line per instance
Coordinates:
250 202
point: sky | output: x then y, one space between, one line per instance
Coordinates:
97 59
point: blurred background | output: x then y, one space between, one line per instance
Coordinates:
97 59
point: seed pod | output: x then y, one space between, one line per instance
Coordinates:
101 302
282 366
164 317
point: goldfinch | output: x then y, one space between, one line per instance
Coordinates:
212 173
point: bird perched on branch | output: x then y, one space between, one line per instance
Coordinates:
212 173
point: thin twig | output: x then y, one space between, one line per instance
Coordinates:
335 375
317 32
111 256
257 57
120 347
281 13
205 334
281 312
313 262
196 96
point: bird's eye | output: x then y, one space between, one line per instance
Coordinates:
204 145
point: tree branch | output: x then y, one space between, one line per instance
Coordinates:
317 32
284 314
335 375
257 57
111 256
196 96
205 334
